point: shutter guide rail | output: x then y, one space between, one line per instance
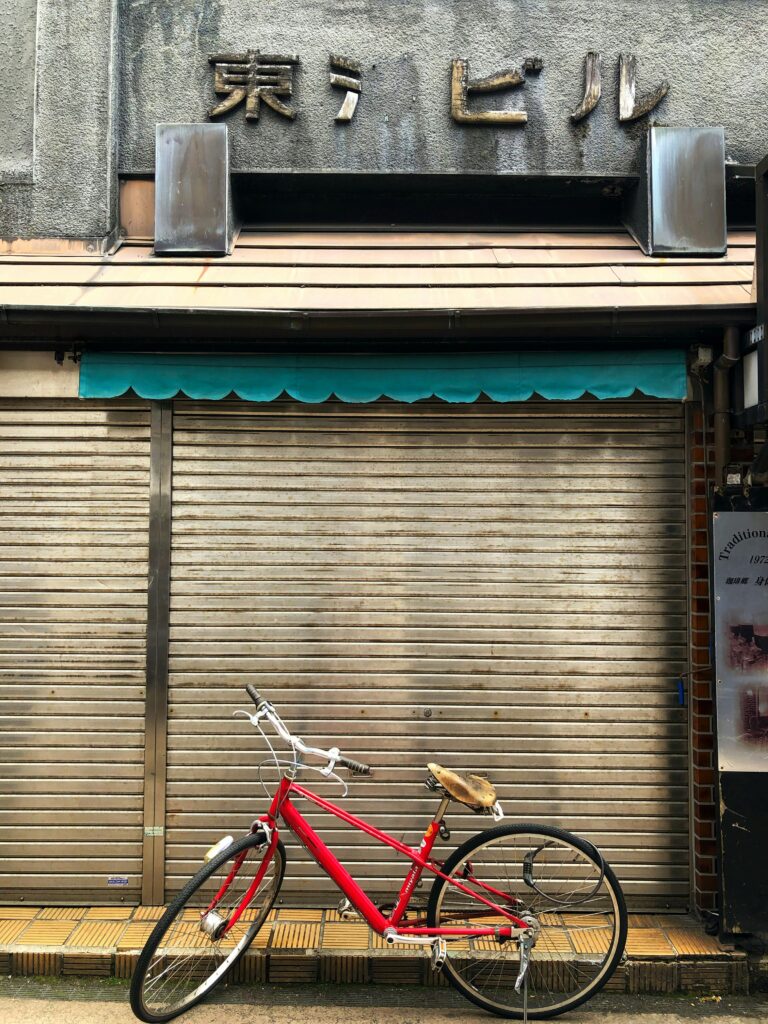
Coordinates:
158 616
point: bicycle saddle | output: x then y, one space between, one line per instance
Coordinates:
471 790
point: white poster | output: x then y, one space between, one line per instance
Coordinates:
741 639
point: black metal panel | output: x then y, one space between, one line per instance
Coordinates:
193 209
743 842
678 208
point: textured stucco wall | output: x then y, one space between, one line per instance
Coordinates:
714 53
74 187
17 88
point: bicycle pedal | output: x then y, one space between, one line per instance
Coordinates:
439 953
347 912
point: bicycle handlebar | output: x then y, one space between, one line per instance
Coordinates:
332 756
254 694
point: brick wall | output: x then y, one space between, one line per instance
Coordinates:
701 683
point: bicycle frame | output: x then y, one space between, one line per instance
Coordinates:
282 806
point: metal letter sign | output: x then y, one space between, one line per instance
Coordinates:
741 639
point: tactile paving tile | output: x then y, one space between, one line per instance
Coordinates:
18 913
591 940
648 942
587 921
555 920
643 921
263 935
148 913
688 942
186 935
295 935
109 914
10 930
135 935
345 935
553 940
47 933
300 915
62 914
97 934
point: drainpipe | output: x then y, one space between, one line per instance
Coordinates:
730 356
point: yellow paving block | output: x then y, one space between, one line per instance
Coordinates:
345 935
300 915
97 934
295 935
263 935
185 935
554 920
553 940
648 942
148 913
109 914
62 914
643 921
47 933
454 945
193 914
678 921
591 940
10 930
251 915
587 920
688 942
18 913
135 935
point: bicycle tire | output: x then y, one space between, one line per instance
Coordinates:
563 958
205 952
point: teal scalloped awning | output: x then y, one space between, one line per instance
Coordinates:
503 377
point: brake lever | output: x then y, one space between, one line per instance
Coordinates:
334 755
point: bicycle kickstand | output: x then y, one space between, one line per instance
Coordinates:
526 944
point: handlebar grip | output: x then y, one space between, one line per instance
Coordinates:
356 767
254 694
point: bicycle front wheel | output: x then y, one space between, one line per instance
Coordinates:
181 963
575 906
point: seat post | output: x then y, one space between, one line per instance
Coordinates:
442 809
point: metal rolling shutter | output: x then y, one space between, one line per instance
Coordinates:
74 478
498 588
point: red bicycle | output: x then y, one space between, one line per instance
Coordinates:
527 921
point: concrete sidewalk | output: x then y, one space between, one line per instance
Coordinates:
664 953
105 1001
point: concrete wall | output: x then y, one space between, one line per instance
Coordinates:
59 175
713 52
71 187
18 72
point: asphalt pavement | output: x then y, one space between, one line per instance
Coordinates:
105 1001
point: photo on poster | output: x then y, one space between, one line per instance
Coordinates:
741 639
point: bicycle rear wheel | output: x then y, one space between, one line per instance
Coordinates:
575 905
180 963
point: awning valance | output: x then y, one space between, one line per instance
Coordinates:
503 377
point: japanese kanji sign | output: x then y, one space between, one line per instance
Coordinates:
251 77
